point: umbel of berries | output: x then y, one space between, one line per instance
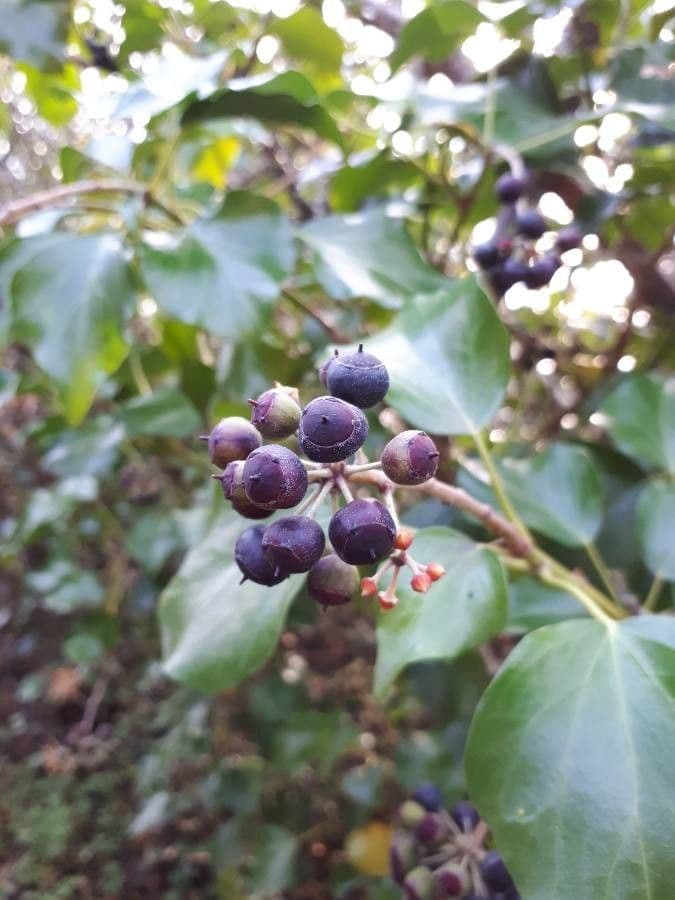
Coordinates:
331 429
274 477
359 378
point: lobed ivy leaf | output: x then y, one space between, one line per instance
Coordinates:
568 760
466 607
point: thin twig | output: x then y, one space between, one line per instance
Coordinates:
333 333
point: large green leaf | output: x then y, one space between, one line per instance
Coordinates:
71 297
369 255
656 528
640 419
306 38
436 32
34 30
219 272
448 358
287 99
533 604
466 607
215 631
164 412
570 760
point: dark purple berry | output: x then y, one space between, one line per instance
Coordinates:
569 238
401 856
232 438
429 797
331 429
494 872
540 272
509 188
486 255
418 884
249 510
530 224
332 582
432 829
450 880
410 458
362 532
232 483
514 271
274 477
275 414
293 544
249 556
465 815
323 368
359 378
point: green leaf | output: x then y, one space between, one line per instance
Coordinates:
306 38
310 735
466 607
71 297
448 358
640 418
533 604
165 412
91 449
656 528
569 760
34 30
287 99
216 632
219 272
271 868
436 32
368 255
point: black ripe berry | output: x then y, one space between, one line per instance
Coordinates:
509 188
331 429
465 815
359 378
274 477
250 558
275 414
486 255
428 796
293 544
362 532
540 272
418 884
494 872
232 483
332 582
232 438
410 458
568 238
530 224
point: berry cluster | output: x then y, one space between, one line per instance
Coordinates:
259 479
510 256
436 853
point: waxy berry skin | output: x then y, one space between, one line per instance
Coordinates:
569 238
540 272
410 458
509 188
486 255
428 796
331 429
232 483
332 582
275 414
359 378
494 872
362 532
465 815
232 438
249 556
530 224
274 477
293 544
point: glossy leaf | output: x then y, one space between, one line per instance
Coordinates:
656 528
221 272
466 607
448 358
216 632
436 32
640 418
533 605
71 297
164 412
369 255
568 760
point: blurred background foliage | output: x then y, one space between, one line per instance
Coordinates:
231 188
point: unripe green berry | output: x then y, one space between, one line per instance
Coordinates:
419 884
232 438
410 458
411 813
275 414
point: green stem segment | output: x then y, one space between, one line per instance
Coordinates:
602 570
653 594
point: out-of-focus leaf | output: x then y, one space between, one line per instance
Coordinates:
92 449
354 184
271 867
656 528
214 161
221 271
448 357
533 605
165 412
34 30
436 32
313 738
53 93
306 38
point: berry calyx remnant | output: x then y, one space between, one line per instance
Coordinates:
274 477
410 458
275 414
331 429
359 378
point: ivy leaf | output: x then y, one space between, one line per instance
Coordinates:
532 605
71 297
33 30
640 419
220 272
436 32
287 99
448 359
368 255
568 760
656 528
466 607
306 38
216 632
165 412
